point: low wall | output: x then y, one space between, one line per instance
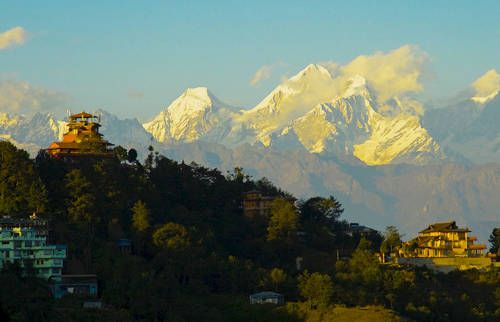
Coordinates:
445 264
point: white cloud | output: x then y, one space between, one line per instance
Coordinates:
134 93
263 73
22 98
13 37
389 75
487 84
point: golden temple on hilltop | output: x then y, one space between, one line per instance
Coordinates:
82 138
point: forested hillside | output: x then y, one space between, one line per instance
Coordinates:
196 256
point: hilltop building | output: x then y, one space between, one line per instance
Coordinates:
355 228
82 138
446 240
23 240
255 203
21 244
41 226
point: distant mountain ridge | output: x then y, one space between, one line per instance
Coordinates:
292 118
387 163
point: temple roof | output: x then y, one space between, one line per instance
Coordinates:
444 227
82 114
63 145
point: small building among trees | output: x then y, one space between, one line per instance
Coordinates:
255 203
267 297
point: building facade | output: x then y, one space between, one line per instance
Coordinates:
82 138
254 202
446 240
19 244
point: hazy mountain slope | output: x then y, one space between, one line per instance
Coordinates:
410 197
469 127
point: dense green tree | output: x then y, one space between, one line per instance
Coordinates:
121 153
319 219
172 236
81 201
39 195
393 237
140 218
17 174
316 288
384 248
132 155
92 143
321 211
283 223
494 240
364 263
268 188
273 280
82 211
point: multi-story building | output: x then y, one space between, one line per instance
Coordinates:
23 240
82 138
255 203
22 244
446 240
41 226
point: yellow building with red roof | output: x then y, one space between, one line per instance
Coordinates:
446 240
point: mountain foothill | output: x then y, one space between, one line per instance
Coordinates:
387 162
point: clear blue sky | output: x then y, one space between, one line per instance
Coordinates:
107 54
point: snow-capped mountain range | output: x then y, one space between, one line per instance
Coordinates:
387 162
292 117
303 113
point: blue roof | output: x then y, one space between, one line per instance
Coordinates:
265 295
123 242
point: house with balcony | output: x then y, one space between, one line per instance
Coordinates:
446 240
22 244
255 203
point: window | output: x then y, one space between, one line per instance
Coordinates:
17 243
37 243
27 243
56 271
57 261
44 270
5 243
17 253
47 252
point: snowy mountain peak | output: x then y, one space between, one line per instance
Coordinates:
356 86
190 116
311 68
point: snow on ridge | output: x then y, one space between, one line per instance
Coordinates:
356 86
484 99
308 69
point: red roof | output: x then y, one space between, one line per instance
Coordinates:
82 114
63 145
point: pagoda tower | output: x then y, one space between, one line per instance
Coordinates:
82 139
